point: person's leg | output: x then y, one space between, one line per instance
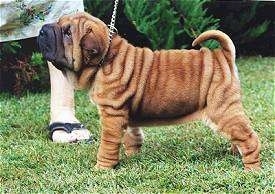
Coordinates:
62 109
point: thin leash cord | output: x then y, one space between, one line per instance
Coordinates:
112 29
111 26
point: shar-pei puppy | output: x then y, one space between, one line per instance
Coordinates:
134 87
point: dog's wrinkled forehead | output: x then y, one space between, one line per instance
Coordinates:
72 20
82 23
77 18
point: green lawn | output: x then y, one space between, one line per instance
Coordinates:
187 158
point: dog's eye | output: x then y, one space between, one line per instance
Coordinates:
67 31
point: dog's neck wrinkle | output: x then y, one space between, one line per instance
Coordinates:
86 77
115 47
127 64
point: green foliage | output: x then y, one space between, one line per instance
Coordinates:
39 64
20 71
160 21
37 59
8 48
238 24
156 19
256 31
98 8
196 19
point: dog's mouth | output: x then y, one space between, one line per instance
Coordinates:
50 42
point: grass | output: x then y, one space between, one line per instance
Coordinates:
186 158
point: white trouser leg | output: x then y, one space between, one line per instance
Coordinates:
62 107
62 97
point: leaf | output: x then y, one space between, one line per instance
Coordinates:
258 30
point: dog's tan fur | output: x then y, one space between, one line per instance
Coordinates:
139 87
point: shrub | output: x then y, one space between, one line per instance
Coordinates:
40 80
240 20
98 8
8 48
170 24
195 20
151 18
20 70
248 23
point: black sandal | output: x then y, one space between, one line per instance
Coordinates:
68 127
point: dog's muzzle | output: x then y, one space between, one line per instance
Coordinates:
50 42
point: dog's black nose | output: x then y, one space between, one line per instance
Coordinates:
46 30
41 33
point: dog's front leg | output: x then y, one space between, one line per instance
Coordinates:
113 122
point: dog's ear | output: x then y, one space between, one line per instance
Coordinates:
91 44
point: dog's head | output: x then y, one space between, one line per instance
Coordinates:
74 42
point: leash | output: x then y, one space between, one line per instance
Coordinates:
113 21
112 30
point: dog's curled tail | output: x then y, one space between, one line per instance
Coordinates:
221 37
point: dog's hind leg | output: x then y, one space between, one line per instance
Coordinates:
225 111
235 125
133 140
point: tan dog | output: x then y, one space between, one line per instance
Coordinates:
138 87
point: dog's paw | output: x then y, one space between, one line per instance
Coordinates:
252 167
100 167
107 166
132 151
